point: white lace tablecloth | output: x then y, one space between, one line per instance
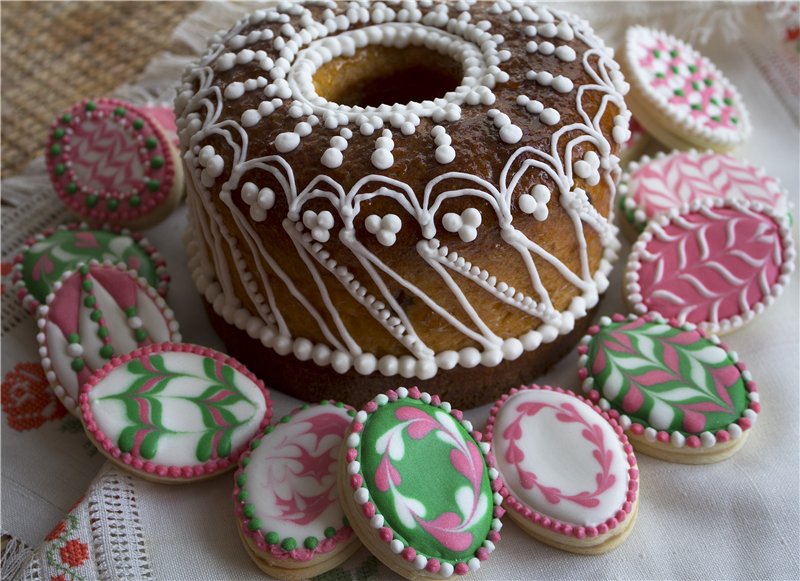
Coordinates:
736 519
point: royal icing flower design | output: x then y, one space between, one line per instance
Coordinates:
319 224
685 81
385 229
212 164
536 202
286 484
27 398
588 168
456 531
465 224
259 200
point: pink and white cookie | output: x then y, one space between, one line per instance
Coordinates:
111 162
715 263
419 486
95 313
285 495
670 180
680 96
571 478
174 413
45 258
680 395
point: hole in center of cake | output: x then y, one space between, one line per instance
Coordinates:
379 75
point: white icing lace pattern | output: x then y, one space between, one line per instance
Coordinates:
304 43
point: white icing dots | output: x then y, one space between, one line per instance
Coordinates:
509 132
465 225
234 90
382 157
549 116
444 151
385 229
212 164
560 83
588 168
535 203
287 141
565 53
319 224
259 200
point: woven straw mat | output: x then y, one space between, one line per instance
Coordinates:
54 54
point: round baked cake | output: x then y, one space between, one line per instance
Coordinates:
402 193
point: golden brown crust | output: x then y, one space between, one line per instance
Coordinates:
463 388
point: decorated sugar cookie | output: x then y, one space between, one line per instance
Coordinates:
111 162
669 181
46 257
286 498
679 394
679 96
94 314
419 487
715 263
571 478
174 412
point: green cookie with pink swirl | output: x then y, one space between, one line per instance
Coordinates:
680 395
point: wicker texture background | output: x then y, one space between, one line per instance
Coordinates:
56 53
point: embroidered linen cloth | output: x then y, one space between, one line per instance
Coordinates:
736 519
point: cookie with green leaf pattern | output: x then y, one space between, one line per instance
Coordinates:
680 395
174 412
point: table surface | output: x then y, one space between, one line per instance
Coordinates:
737 519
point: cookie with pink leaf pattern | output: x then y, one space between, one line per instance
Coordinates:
95 313
679 95
715 263
419 486
680 395
286 498
174 413
571 478
111 162
670 180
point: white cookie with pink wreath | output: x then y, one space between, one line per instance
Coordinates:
679 96
668 181
571 478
